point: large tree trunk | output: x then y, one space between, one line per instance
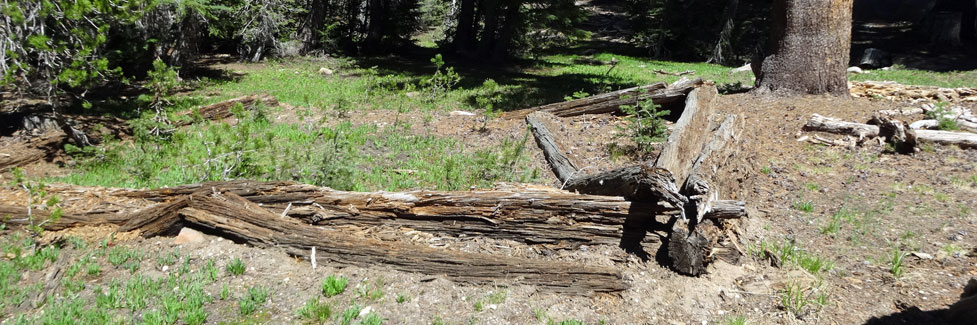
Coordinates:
312 28
375 26
465 32
809 47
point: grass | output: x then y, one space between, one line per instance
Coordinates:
315 311
790 254
235 267
836 220
349 314
895 263
952 79
804 206
334 285
800 300
254 299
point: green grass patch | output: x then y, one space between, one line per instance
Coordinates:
334 285
235 267
788 253
805 206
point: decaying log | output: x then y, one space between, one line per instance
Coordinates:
246 221
158 219
552 148
714 153
35 149
687 137
899 134
635 183
17 216
687 250
659 71
660 93
536 216
222 110
832 125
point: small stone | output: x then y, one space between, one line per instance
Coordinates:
188 235
166 267
325 71
462 113
855 70
365 311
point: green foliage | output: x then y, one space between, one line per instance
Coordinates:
371 319
235 267
442 81
315 311
801 300
765 170
255 298
349 314
788 253
125 257
334 285
402 298
805 206
895 263
835 222
943 117
38 199
645 125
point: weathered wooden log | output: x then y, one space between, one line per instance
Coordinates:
35 149
246 221
687 250
714 153
832 125
660 93
726 209
222 110
552 148
687 137
552 216
635 183
158 219
17 216
935 124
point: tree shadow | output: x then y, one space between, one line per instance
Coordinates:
963 312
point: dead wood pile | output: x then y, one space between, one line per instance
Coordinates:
699 145
895 91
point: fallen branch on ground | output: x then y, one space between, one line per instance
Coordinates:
659 93
836 126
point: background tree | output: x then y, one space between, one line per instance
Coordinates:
808 50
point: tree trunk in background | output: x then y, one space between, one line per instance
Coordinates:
465 32
501 47
809 48
491 21
374 34
313 25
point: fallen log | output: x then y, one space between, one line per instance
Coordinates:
832 125
636 183
222 110
35 149
246 221
552 149
537 216
687 137
659 93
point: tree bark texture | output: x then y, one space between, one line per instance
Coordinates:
809 48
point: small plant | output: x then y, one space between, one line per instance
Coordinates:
36 193
943 117
895 264
350 314
334 285
577 95
124 257
735 320
212 271
498 297
235 267
161 81
402 298
834 224
315 311
165 259
765 170
479 306
442 80
804 206
225 292
540 315
801 300
952 250
371 319
254 299
94 269
645 124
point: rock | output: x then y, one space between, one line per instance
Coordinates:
325 71
745 68
922 255
855 70
188 235
365 311
462 113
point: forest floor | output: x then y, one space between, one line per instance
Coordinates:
863 235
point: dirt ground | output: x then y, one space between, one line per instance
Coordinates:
920 203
